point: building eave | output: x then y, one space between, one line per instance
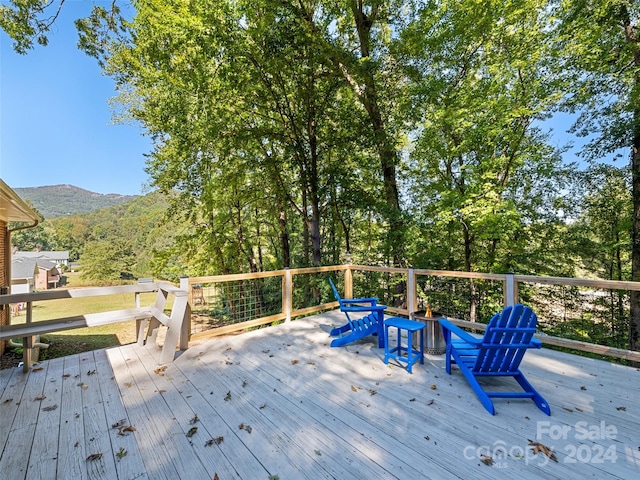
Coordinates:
13 208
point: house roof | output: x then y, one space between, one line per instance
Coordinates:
23 268
13 208
46 264
59 255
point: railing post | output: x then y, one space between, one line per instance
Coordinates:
510 292
287 297
412 300
27 342
348 282
184 285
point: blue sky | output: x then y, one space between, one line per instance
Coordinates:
55 122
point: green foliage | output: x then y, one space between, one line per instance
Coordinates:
28 20
107 260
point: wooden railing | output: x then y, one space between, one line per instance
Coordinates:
409 303
148 318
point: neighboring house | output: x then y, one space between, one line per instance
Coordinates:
28 274
59 258
48 275
12 209
23 275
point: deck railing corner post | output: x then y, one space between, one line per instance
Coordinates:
509 289
412 298
184 285
287 295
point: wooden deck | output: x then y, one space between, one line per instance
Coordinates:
280 403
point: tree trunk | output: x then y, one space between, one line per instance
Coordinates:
634 321
284 239
468 241
384 145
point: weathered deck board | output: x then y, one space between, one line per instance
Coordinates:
43 466
313 411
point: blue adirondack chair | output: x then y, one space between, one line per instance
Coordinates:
498 354
370 324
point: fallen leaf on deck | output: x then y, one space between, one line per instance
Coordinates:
91 372
486 460
228 396
311 363
583 388
430 402
192 431
123 431
119 423
121 453
214 441
433 387
37 369
241 426
41 397
244 383
372 391
8 400
160 370
540 448
621 409
128 384
66 375
215 476
567 409
294 362
318 452
353 389
263 406
195 419
94 456
50 408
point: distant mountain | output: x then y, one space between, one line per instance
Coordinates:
60 200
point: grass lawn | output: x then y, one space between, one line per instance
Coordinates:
85 339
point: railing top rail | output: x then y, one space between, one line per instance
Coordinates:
234 277
77 293
275 273
336 268
579 282
368 268
450 273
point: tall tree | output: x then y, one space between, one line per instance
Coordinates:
601 41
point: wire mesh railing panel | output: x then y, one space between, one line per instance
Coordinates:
461 298
313 288
220 304
389 287
599 316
